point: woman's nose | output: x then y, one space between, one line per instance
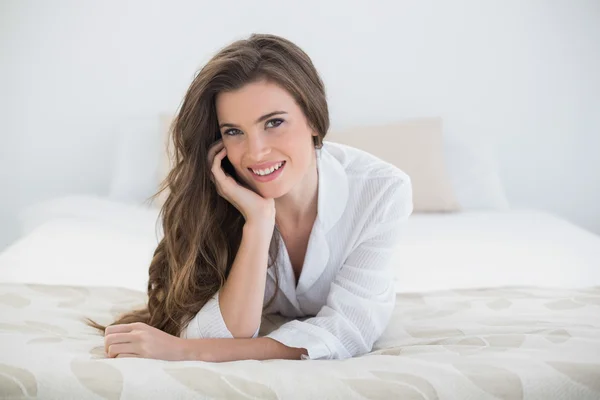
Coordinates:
258 147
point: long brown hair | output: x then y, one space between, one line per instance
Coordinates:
202 230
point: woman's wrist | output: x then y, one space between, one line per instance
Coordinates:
263 226
223 350
196 350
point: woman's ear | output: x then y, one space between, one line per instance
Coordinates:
316 140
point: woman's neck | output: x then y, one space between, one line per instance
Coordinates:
299 207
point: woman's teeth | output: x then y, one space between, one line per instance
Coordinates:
268 171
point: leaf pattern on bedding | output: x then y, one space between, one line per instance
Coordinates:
219 385
557 336
583 373
250 388
416 350
413 299
504 340
60 291
593 290
75 295
14 300
47 328
98 352
452 309
438 344
52 290
378 389
45 340
499 304
16 381
591 300
94 375
465 350
18 328
472 341
73 302
426 332
498 382
495 292
500 342
415 382
563 304
512 323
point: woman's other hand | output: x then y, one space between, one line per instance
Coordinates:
144 341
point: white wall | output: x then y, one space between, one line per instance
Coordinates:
522 75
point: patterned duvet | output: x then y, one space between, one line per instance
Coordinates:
502 343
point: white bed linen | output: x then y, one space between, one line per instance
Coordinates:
492 249
83 240
512 343
69 251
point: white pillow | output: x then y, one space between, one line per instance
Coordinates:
416 147
103 211
79 252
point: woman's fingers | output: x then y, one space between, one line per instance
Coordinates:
121 348
217 170
118 329
116 338
214 149
124 355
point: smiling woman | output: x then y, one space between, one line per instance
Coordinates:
256 148
264 217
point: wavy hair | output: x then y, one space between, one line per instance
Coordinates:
202 230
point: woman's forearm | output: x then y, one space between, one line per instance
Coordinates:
221 350
241 297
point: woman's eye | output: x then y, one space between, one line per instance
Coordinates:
275 122
232 132
272 123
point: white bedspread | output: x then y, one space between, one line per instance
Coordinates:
491 305
482 248
501 343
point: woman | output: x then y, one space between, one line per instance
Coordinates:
264 217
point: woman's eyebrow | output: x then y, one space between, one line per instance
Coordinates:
257 121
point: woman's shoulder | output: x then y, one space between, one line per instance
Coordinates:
376 187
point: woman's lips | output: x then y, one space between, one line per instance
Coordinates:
270 177
265 165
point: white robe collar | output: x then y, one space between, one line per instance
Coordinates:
331 202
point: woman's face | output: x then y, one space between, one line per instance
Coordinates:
261 123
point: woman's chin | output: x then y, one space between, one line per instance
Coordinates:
270 193
268 190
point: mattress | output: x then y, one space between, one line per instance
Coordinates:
513 342
103 240
495 248
490 305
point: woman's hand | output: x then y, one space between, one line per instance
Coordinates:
253 206
142 340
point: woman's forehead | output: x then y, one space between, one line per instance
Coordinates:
253 100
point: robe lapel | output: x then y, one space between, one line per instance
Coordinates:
331 203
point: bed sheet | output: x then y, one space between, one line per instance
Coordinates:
434 252
490 249
487 343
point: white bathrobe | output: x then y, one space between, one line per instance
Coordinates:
346 287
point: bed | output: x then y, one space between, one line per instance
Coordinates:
490 305
493 302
